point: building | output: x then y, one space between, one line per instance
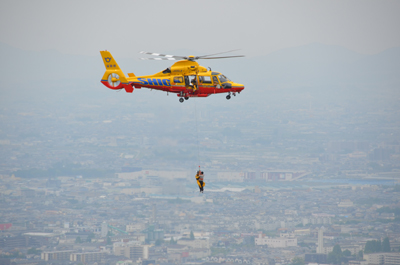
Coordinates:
132 249
198 253
320 248
354 249
87 257
317 220
119 249
153 235
302 232
392 258
135 227
143 174
137 252
57 255
280 242
196 243
154 213
230 176
286 175
148 262
5 226
35 239
345 203
104 229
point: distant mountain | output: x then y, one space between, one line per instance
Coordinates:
310 65
318 65
382 68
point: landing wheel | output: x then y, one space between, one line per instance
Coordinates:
228 97
186 98
181 100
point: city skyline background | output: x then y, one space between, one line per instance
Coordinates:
88 173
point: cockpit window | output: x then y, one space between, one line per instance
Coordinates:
223 79
167 71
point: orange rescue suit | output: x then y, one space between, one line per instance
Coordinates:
200 178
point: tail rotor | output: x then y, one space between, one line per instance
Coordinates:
113 80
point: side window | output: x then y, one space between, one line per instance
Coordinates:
178 79
206 79
215 80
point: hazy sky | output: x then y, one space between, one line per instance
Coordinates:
209 26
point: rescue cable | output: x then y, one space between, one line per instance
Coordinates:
197 134
199 174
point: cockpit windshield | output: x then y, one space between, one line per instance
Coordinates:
223 78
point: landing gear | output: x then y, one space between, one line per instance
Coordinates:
186 98
181 100
228 97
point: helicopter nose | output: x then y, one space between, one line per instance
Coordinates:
239 87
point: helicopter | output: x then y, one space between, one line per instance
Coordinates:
185 77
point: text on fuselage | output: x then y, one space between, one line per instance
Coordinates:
154 82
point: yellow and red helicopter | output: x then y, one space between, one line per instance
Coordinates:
186 77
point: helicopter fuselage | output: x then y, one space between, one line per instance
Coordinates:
186 78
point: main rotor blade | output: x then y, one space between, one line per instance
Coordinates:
176 57
222 57
164 55
160 59
216 53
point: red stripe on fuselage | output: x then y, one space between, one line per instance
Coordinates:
177 89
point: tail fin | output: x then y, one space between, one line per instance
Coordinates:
113 78
109 61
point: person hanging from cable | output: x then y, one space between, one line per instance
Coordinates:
200 180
